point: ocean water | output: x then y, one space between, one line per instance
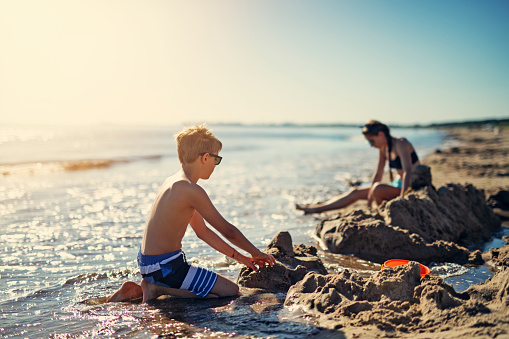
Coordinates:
74 200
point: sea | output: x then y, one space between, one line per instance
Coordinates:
74 202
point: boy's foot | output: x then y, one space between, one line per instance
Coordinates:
150 291
129 291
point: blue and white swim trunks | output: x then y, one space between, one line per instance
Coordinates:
172 270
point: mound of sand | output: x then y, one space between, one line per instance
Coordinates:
397 302
426 225
292 264
498 256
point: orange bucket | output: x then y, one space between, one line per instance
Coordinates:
397 262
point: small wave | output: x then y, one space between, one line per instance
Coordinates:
448 270
87 277
67 165
83 165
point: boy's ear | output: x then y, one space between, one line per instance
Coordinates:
203 157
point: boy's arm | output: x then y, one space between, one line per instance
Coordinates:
202 204
214 241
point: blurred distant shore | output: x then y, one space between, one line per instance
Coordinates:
480 124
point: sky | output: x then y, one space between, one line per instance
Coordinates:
264 61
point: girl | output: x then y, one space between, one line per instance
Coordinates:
400 155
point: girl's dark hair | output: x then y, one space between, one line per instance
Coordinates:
373 127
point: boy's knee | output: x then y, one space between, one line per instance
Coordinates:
232 290
235 290
226 288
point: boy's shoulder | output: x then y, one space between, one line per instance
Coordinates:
186 192
182 186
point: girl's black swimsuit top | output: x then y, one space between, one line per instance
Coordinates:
396 163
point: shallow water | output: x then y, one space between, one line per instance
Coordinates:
73 203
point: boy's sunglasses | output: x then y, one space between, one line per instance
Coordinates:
371 142
217 160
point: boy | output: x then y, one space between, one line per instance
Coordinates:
179 202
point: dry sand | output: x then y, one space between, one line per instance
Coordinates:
482 159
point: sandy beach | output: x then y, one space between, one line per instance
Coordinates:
481 159
432 224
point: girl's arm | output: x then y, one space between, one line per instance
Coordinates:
377 177
404 150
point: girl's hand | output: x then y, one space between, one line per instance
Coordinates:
370 198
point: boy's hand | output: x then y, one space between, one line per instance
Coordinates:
260 259
241 258
263 258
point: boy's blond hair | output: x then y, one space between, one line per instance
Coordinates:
194 140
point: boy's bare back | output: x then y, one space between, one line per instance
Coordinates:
170 214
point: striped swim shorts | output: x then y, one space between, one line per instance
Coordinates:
172 270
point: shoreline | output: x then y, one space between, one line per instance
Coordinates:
481 159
